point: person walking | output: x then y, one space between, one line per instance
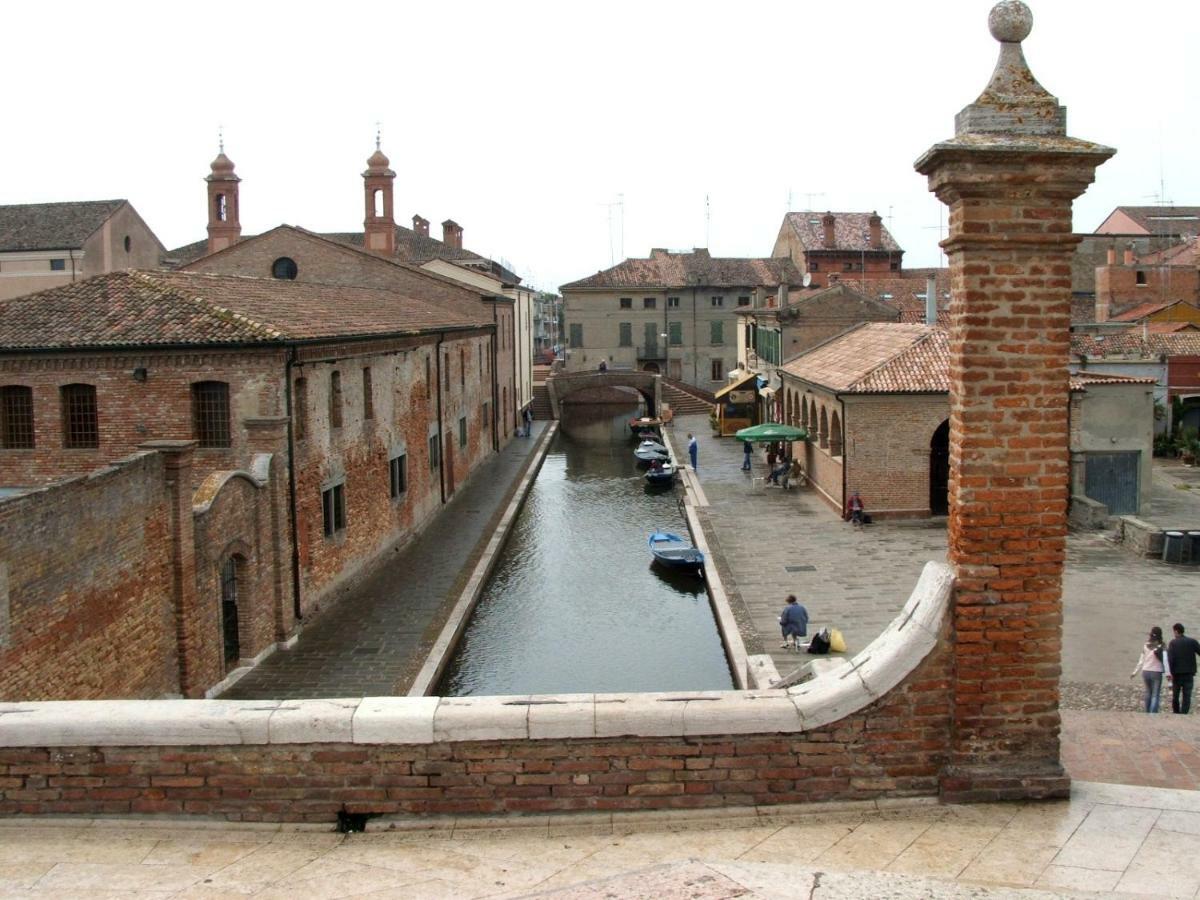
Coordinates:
854 506
1181 669
793 623
1151 665
693 450
747 449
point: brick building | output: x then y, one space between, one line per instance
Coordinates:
674 313
828 246
43 245
875 401
310 429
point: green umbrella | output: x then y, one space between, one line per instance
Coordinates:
771 431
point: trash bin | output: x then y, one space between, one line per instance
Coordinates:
1193 547
1173 547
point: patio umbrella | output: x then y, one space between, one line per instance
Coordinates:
771 431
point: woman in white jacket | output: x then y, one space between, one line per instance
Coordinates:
1152 665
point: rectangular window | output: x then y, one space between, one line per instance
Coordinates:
675 333
16 417
576 335
649 303
717 301
300 409
435 453
486 416
743 301
368 400
626 303
626 334
428 379
718 370
462 431
462 367
210 413
335 399
814 267
58 265
398 474
446 371
716 332
333 509
847 267
672 303
81 427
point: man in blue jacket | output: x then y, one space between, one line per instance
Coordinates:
1181 669
793 622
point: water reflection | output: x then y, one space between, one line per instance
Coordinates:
574 604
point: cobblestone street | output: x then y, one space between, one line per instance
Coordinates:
775 542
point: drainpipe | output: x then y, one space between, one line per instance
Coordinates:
291 467
71 254
695 373
441 445
495 380
845 457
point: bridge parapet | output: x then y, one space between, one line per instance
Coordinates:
649 385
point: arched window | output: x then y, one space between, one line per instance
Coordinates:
284 268
81 424
210 413
230 635
803 413
377 203
812 414
823 434
220 212
835 435
335 400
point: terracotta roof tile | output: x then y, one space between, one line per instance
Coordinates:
1081 380
878 357
851 231
1132 343
138 308
664 269
52 226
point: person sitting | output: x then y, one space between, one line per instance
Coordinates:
777 472
855 509
795 473
603 365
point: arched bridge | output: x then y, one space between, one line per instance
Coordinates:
563 385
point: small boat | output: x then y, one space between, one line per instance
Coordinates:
674 552
661 475
636 426
650 454
656 445
648 435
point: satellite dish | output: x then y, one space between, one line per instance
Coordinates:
807 279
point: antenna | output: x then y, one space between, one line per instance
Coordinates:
620 203
811 194
378 134
707 220
940 229
221 138
789 202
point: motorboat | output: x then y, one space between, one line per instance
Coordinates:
661 474
649 451
674 552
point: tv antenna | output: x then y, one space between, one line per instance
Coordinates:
707 220
618 204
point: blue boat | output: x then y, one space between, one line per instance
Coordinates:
674 552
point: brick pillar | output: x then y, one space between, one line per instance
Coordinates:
269 435
177 463
1009 177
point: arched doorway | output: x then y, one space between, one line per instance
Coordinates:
939 470
229 613
651 367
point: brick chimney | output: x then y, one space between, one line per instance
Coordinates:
452 234
1111 256
1009 176
421 226
827 222
224 227
1129 255
876 225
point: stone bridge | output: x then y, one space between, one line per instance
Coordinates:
564 385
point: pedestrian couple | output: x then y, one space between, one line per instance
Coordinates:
1176 660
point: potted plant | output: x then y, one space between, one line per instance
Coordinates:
1189 445
715 423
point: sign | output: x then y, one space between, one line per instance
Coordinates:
741 396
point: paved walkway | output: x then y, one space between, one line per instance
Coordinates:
372 642
773 542
1106 838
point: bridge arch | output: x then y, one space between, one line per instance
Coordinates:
563 385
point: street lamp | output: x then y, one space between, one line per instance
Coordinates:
666 353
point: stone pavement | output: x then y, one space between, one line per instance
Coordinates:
1106 838
772 542
372 642
1132 748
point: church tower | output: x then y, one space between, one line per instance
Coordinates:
379 228
224 226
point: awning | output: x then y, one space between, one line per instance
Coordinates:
735 385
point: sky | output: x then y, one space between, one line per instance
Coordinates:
566 136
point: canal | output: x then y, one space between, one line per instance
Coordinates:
575 604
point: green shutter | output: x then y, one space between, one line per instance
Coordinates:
626 338
676 331
717 331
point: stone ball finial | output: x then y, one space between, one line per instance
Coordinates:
1010 21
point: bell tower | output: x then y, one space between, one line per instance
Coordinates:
379 228
224 226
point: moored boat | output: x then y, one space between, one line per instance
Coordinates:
674 552
663 474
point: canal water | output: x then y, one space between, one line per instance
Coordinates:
575 604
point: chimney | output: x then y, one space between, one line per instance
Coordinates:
781 294
1112 256
1129 255
827 223
421 226
930 300
876 224
452 234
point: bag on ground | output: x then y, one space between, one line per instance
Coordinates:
819 642
837 643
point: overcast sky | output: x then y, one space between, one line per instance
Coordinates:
525 122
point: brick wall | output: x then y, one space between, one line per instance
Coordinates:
896 747
887 450
1118 288
89 610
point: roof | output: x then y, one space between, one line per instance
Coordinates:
53 226
878 357
907 293
1142 310
1184 254
1082 380
735 385
1163 219
697 268
142 308
851 231
1131 342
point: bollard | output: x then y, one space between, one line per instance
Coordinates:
1173 547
